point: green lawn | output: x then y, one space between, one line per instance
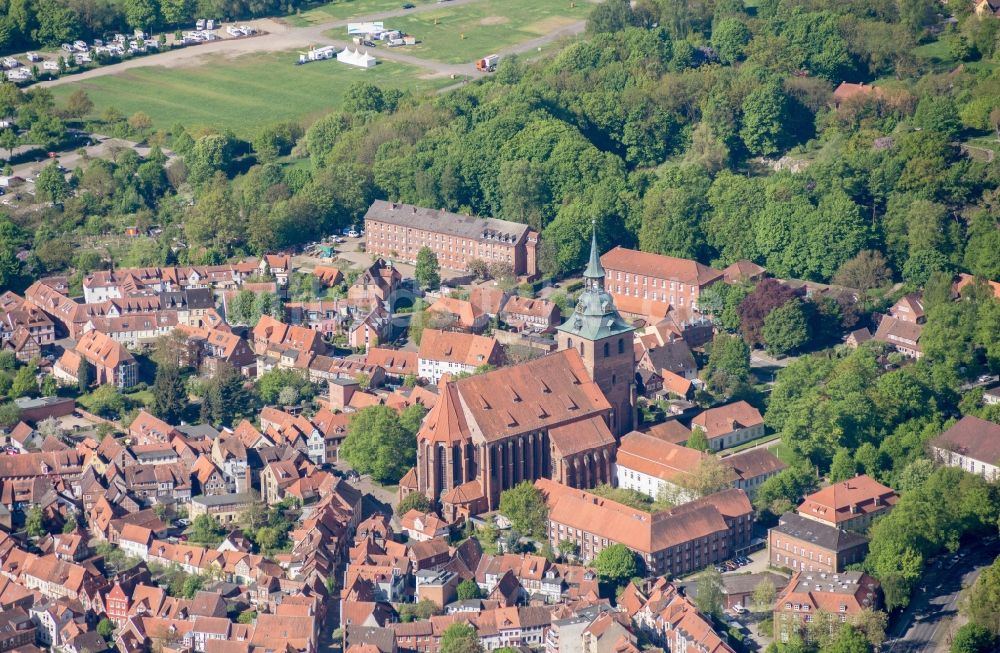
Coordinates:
241 93
347 9
465 33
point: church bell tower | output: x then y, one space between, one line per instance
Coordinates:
604 341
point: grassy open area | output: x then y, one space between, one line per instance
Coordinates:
241 93
465 33
347 9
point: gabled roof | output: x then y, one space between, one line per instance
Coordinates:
845 500
659 266
725 419
972 437
463 348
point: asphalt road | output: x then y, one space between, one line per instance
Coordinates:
925 626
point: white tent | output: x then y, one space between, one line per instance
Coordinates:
356 58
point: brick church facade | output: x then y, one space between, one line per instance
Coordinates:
556 417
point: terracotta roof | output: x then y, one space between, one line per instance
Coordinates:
446 422
488 299
721 420
742 271
328 275
446 222
278 333
652 456
100 349
468 314
676 384
576 437
670 431
394 361
659 266
754 462
966 279
464 348
854 590
898 332
847 90
846 500
540 394
540 308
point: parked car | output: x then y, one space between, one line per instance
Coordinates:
352 233
409 5
739 609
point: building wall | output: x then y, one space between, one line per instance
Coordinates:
799 555
971 465
432 370
734 438
651 486
453 252
658 291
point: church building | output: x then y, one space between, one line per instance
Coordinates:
554 417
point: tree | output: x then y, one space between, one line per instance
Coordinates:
227 397
764 119
9 141
106 628
78 104
708 477
379 444
843 466
71 525
140 14
786 328
847 640
729 38
170 397
983 602
176 12
10 414
728 366
698 440
524 505
567 548
193 583
936 112
469 589
972 638
611 16
616 564
710 597
83 376
867 271
413 501
763 596
460 638
25 384
205 529
51 184
34 523
756 306
427 271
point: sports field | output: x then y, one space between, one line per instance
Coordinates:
241 93
464 33
346 9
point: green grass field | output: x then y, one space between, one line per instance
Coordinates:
241 93
347 9
464 33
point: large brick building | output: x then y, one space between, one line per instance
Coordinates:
802 544
650 285
676 541
399 231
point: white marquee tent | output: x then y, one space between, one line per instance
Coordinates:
356 58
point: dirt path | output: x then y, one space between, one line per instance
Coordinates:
281 37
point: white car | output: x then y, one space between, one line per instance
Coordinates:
353 233
739 609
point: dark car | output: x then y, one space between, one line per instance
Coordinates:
409 5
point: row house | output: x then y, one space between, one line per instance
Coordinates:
402 230
17 313
670 620
69 317
278 266
112 364
16 629
659 469
113 284
57 578
229 454
328 368
397 364
538 577
146 428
